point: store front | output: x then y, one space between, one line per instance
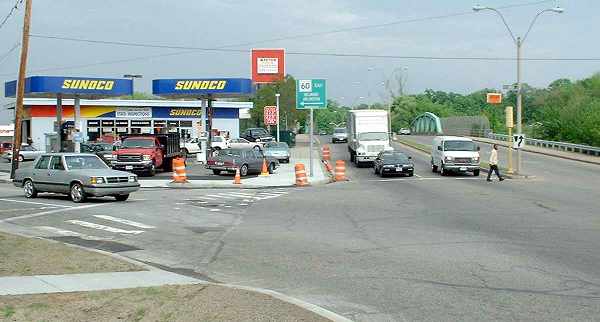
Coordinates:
107 120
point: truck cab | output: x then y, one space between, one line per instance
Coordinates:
454 154
368 135
146 153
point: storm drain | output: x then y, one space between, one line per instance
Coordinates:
108 246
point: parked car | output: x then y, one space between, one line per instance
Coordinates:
244 144
102 149
393 162
146 153
322 132
339 135
404 131
454 154
219 143
5 147
257 135
190 146
77 175
277 150
27 152
247 160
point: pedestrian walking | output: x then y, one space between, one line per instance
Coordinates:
494 164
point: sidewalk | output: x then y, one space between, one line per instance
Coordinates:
549 152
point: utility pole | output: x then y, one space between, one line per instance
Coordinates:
519 103
21 90
277 99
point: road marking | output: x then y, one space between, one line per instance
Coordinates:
125 221
64 232
106 228
418 176
240 194
22 209
50 212
215 209
219 196
207 198
35 203
243 204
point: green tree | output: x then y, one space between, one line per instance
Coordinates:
289 116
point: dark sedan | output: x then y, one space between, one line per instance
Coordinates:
247 160
393 162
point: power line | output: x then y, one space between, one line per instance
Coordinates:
3 57
10 13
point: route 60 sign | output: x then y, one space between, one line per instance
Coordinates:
518 141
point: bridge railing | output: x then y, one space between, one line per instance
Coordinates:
561 146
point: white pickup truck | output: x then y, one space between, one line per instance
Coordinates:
189 146
368 134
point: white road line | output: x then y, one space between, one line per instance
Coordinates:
64 232
22 209
243 204
241 194
106 228
36 203
207 198
125 221
418 176
219 196
49 212
214 210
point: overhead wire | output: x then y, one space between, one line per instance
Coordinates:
10 13
5 55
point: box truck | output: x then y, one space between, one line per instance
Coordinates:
368 134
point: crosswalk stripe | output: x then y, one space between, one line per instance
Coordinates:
103 227
206 198
240 194
218 196
64 232
125 221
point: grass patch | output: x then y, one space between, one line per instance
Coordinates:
32 256
7 311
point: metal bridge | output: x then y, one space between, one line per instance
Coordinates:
427 123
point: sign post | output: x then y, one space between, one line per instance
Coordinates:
311 94
509 125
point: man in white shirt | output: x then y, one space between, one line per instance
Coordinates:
494 164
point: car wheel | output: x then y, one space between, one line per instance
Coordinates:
216 172
122 197
21 158
217 148
410 174
271 168
434 168
476 173
244 170
152 171
77 194
443 171
29 189
287 160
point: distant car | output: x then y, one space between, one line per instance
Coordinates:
404 131
242 143
27 152
257 135
219 143
78 175
278 150
393 162
247 160
322 132
189 146
339 135
102 149
5 147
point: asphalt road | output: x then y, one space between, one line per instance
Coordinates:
395 249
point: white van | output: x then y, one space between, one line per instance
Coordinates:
454 154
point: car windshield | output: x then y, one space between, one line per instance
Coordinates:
373 136
339 131
137 143
231 152
259 132
277 146
84 162
217 139
459 146
396 158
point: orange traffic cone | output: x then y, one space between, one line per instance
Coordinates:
237 179
265 170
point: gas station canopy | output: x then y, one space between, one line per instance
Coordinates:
197 88
70 87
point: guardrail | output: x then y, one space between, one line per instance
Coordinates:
561 146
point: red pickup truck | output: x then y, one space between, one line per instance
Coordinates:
145 153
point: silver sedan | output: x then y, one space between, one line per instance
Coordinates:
27 152
77 175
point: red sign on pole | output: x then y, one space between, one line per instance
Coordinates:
268 65
270 115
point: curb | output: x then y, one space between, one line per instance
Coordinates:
543 153
280 296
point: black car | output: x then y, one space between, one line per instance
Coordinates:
103 150
393 162
257 135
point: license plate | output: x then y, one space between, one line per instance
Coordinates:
128 167
220 163
463 169
398 169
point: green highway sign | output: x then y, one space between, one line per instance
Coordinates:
311 93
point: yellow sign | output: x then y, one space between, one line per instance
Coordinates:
203 84
88 84
186 112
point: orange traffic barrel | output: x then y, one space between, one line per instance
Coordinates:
301 179
340 170
326 153
237 179
179 174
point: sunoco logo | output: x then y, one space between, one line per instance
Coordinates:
204 84
106 85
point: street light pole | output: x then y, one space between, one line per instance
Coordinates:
519 43
277 104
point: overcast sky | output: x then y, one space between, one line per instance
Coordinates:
214 23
